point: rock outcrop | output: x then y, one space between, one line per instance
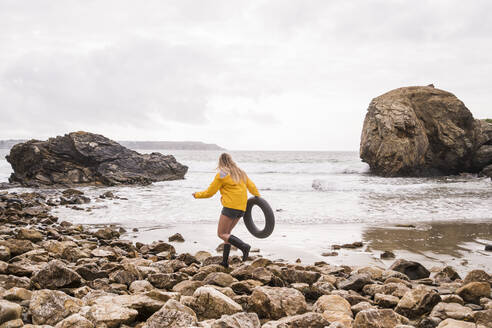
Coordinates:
81 158
423 131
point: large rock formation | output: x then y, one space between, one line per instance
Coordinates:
87 158
423 131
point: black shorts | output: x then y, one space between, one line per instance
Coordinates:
232 213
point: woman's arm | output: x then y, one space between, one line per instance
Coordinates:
211 190
252 188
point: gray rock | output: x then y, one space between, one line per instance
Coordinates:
87 158
355 282
413 270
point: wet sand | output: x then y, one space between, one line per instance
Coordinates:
434 244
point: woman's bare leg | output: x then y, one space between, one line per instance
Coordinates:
232 225
223 230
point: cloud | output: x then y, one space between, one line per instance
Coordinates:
195 70
127 82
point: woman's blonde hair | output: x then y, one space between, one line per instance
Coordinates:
228 166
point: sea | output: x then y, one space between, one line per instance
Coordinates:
303 188
320 199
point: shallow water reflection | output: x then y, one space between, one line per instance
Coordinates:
456 239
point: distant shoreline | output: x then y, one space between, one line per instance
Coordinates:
172 145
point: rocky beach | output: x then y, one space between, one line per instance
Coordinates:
59 274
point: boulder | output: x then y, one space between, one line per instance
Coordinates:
166 280
75 321
477 276
17 323
161 295
483 156
355 282
484 130
209 303
413 270
110 314
187 287
48 307
4 253
418 131
249 272
385 301
447 274
17 246
160 246
452 298
452 310
245 286
276 302
172 314
176 237
10 281
417 301
392 288
219 278
4 267
487 171
304 276
334 308
451 323
473 291
202 255
55 275
140 286
30 234
87 158
361 306
385 318
9 311
124 277
483 318
73 254
106 233
144 304
238 320
309 319
17 294
334 303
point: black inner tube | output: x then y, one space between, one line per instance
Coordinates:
267 212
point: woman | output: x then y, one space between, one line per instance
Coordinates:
232 183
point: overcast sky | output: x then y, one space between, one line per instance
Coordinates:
269 75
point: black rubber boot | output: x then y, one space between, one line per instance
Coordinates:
225 255
241 245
